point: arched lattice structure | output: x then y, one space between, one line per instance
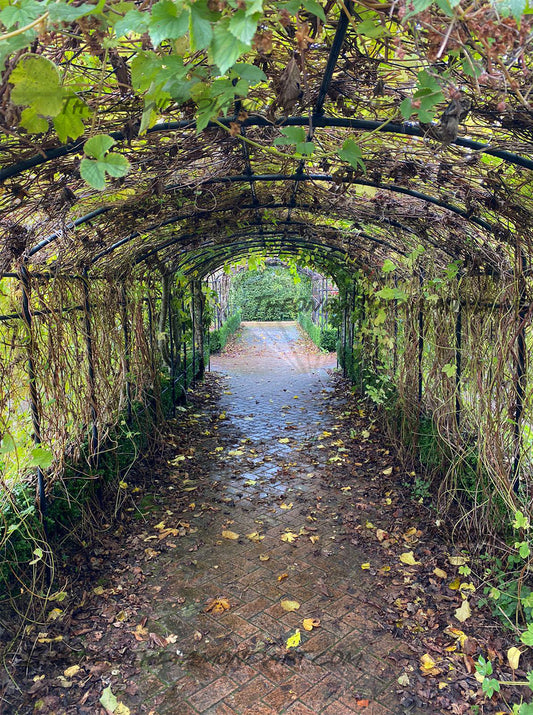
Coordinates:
176 161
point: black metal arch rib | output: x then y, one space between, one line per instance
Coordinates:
267 177
209 262
407 129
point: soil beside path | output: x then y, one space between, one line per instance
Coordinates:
274 508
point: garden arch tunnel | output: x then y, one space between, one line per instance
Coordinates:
426 225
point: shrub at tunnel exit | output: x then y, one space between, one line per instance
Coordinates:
271 294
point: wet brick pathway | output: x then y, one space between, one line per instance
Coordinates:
236 662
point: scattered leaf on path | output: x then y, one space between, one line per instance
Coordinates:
310 623
286 506
289 537
294 640
217 605
283 576
255 537
264 557
229 534
289 605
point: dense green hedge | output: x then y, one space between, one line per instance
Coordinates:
324 338
219 338
270 294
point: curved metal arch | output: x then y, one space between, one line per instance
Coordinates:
303 242
405 129
250 178
260 244
358 182
173 241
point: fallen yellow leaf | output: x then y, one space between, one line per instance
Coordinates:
513 657
264 557
381 535
454 585
286 506
217 605
230 534
409 559
283 440
289 537
283 576
365 566
54 614
290 606
314 538
122 709
463 612
255 537
428 666
294 640
310 623
387 472
72 671
439 573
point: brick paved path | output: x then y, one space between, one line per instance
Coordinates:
236 662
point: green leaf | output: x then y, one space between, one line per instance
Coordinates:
388 293
21 13
527 636
388 266
69 122
520 520
351 153
250 73
516 8
168 22
200 29
116 165
243 26
61 12
526 708
108 700
490 686
314 8
98 145
38 553
133 21
372 29
305 148
7 445
93 172
253 6
225 48
37 84
291 135
41 457
450 369
33 122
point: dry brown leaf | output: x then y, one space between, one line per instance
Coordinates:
381 535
